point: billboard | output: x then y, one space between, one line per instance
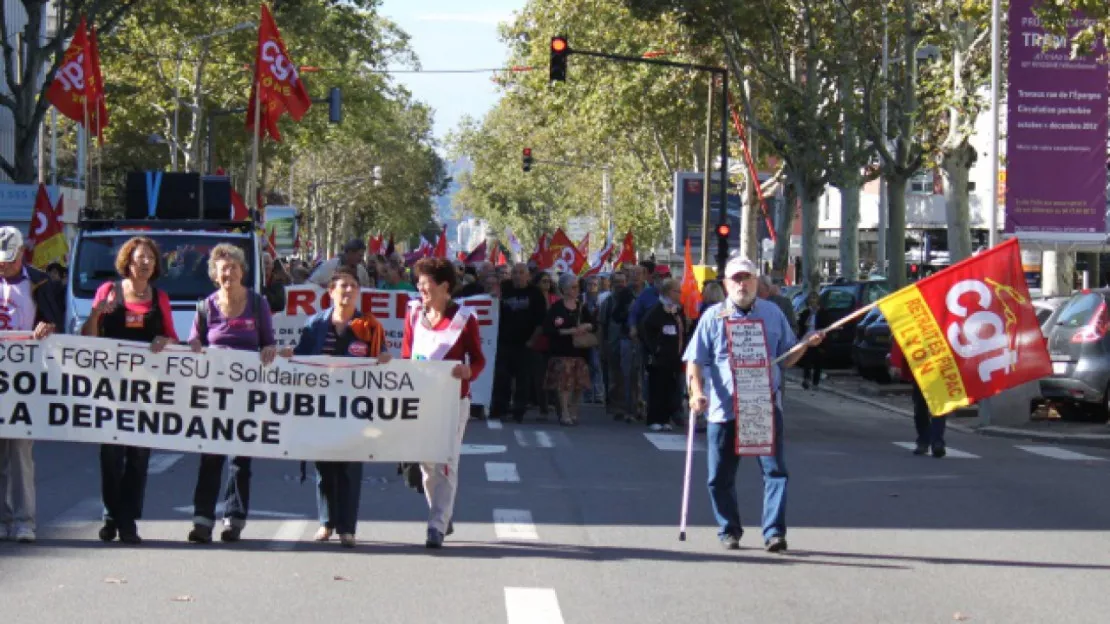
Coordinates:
282 220
688 189
1056 133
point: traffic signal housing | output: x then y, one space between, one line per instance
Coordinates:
527 160
559 51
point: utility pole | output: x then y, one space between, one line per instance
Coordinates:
884 199
706 184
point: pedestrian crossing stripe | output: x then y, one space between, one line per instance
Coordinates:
672 442
1059 453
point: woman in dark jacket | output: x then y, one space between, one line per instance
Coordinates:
340 331
568 373
663 332
811 319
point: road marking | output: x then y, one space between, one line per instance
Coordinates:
162 462
521 438
951 452
502 472
86 512
483 449
514 524
288 534
543 439
672 442
1059 453
532 605
494 423
188 509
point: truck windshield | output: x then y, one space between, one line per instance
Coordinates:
184 263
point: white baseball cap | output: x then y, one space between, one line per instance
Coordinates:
740 264
11 244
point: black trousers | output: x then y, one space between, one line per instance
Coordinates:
123 472
662 390
512 380
237 497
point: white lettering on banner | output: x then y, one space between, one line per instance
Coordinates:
389 307
751 385
72 74
967 338
71 388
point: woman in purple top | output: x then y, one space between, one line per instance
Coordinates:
233 317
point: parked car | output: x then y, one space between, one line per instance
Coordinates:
872 346
1079 348
839 299
1046 308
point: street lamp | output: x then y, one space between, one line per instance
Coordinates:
177 78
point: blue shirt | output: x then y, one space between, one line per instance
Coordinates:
648 298
709 348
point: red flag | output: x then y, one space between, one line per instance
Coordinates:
239 211
70 89
628 252
691 295
584 245
297 243
282 88
46 240
441 245
542 256
98 107
375 245
565 256
461 256
60 209
970 331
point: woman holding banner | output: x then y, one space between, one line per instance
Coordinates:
130 308
340 331
230 318
437 328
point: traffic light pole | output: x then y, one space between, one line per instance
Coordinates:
722 217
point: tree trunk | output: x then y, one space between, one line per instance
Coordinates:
896 231
783 228
849 230
1056 273
957 164
749 239
811 269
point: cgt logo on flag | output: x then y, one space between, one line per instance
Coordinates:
969 332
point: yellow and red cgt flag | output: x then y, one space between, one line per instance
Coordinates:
565 255
691 296
628 252
969 331
46 241
282 88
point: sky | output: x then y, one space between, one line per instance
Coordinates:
449 34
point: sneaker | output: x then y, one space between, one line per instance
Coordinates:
668 427
107 532
24 535
656 427
776 544
200 535
450 527
921 449
730 542
939 451
434 540
231 533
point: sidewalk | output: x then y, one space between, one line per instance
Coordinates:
1043 425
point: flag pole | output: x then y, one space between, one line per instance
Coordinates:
87 165
691 425
252 183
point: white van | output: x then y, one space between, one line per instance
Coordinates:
185 245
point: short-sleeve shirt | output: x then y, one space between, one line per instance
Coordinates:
138 311
241 332
17 303
709 348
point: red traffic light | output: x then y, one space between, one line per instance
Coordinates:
723 230
527 152
558 45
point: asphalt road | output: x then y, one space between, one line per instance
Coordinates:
556 525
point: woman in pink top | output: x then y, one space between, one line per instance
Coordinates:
129 309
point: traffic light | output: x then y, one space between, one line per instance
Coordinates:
527 160
723 230
559 52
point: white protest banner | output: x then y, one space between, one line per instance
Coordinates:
388 306
72 388
751 382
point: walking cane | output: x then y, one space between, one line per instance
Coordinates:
686 480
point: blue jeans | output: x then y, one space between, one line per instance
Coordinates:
632 371
723 462
597 381
338 492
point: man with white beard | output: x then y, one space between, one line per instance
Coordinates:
710 379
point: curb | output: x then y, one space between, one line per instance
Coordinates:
1079 439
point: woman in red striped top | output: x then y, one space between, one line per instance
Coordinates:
437 328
